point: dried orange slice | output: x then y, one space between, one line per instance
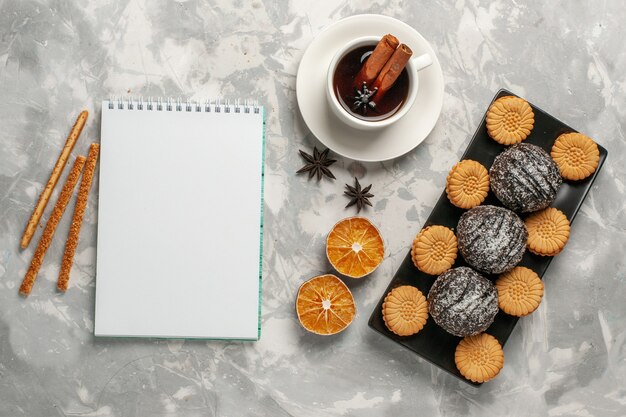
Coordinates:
325 305
354 247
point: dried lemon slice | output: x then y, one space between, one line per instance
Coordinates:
325 305
354 247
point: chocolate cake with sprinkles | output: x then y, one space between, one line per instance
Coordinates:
525 178
463 302
491 239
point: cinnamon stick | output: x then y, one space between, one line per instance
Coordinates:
391 71
376 61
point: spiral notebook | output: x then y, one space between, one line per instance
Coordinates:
180 220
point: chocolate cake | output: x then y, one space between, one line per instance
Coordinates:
463 302
525 178
491 239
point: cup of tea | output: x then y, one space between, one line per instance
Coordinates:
356 105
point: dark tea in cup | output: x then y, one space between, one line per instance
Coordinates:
372 82
351 97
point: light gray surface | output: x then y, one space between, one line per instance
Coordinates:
57 58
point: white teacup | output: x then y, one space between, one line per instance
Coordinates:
414 65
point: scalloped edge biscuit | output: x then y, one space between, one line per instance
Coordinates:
519 291
405 310
479 358
467 184
510 120
576 155
434 249
548 231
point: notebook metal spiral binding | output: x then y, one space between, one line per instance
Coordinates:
184 105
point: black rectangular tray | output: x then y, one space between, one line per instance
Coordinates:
433 343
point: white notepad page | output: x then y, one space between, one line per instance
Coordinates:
179 222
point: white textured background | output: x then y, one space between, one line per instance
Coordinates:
59 57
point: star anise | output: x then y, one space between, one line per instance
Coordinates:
362 99
358 196
317 164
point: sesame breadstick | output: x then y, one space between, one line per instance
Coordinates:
53 221
77 217
54 177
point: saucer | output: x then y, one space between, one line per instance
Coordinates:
368 146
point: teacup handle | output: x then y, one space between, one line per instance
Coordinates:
422 62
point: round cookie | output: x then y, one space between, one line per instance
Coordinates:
467 184
479 358
463 302
434 250
519 291
525 178
576 155
548 231
491 239
509 120
405 310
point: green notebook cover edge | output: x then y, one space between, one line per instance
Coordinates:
262 206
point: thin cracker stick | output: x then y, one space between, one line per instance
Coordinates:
53 221
54 177
77 217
